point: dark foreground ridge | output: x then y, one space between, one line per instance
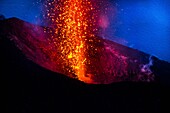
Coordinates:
32 88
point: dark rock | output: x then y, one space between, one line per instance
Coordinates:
31 88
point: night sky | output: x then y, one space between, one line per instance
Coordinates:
140 24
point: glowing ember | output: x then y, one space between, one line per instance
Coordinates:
74 22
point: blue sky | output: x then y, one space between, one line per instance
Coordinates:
145 25
28 10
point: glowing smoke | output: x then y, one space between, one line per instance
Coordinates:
146 68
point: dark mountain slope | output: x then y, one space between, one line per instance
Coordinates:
31 88
110 61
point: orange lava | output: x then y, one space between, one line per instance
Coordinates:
74 22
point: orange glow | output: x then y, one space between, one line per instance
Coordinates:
74 22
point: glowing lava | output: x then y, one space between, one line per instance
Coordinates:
74 22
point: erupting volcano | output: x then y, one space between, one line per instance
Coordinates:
72 59
70 45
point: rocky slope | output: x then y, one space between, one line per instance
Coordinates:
29 87
110 61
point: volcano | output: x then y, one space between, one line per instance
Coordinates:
109 61
34 81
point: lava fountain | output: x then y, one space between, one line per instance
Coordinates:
74 22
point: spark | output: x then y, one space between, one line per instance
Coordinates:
74 22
